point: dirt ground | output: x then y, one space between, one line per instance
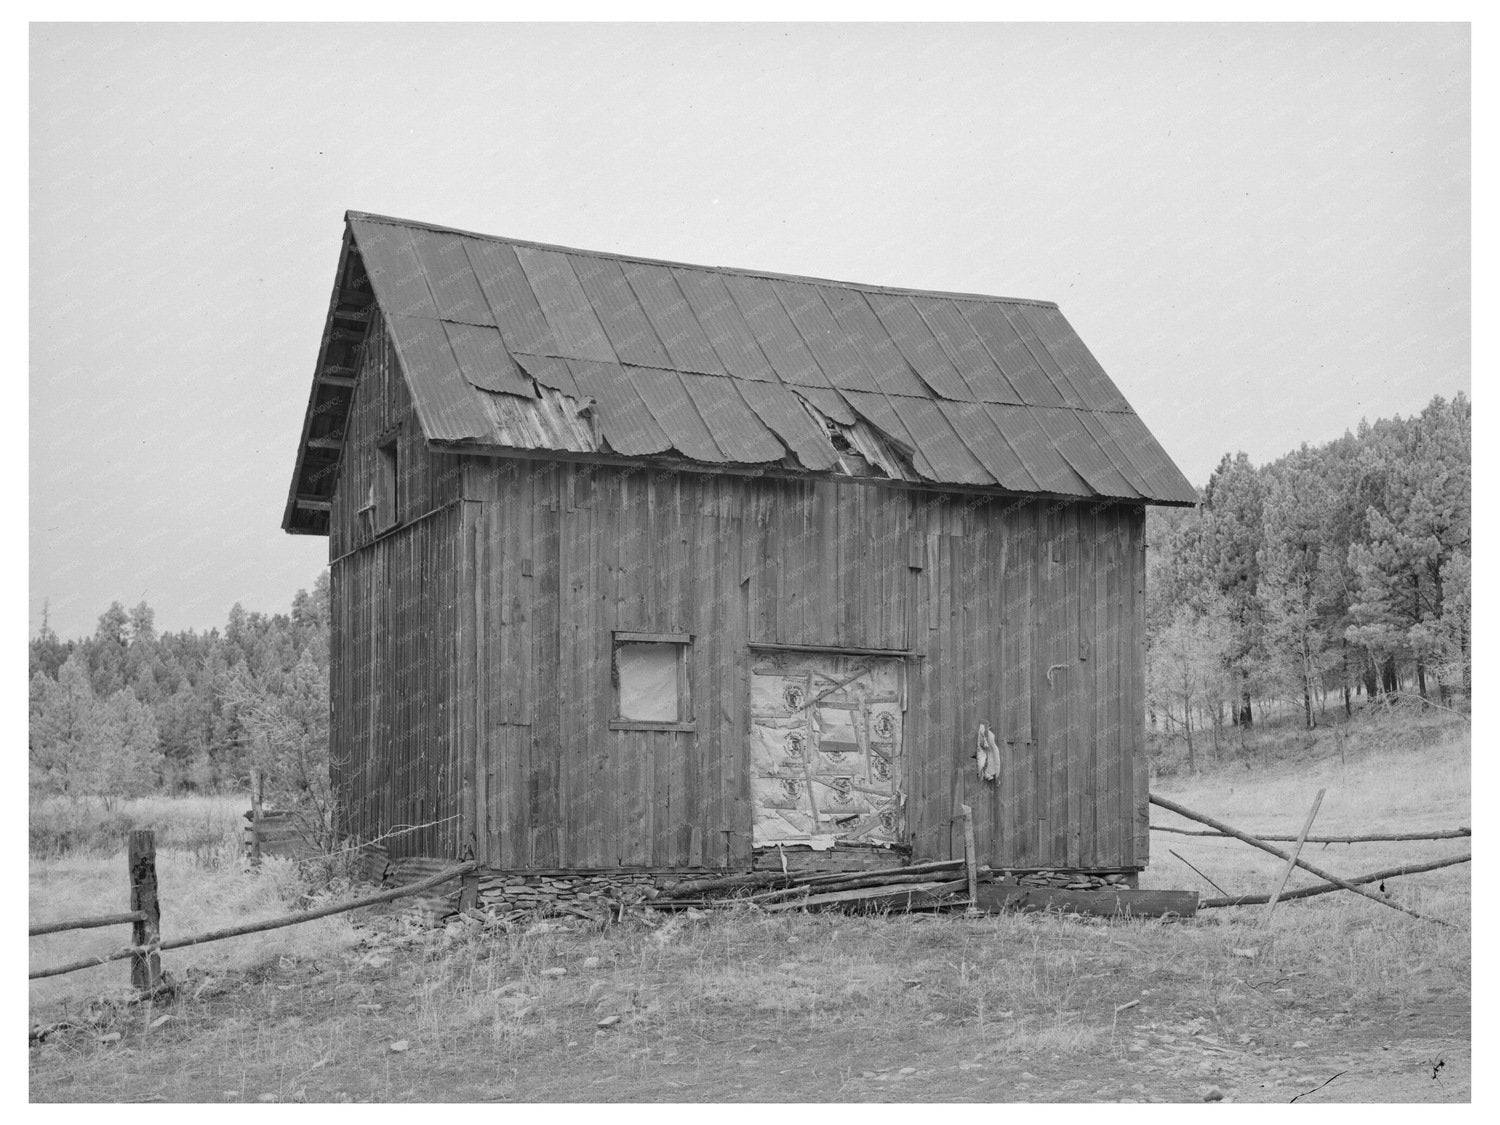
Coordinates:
374 1028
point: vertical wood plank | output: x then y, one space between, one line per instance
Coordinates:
1135 727
1035 671
1077 681
546 750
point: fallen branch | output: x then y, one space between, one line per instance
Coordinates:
1329 888
1204 877
257 927
1173 806
1378 838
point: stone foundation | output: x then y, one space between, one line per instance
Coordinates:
516 896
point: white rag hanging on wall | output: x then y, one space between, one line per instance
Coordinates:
987 755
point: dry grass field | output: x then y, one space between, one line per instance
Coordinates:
1339 999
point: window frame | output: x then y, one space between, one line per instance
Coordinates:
685 721
386 484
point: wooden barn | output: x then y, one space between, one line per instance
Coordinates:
640 567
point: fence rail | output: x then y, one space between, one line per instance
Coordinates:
145 915
1372 838
86 923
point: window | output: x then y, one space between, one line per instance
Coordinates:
386 482
650 673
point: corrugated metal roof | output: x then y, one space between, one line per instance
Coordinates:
518 345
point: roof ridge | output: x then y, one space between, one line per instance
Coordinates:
864 287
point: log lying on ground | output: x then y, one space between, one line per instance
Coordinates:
995 897
739 882
1173 806
776 879
878 898
849 883
878 872
1371 838
1329 888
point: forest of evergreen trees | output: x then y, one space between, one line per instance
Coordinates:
130 710
1333 574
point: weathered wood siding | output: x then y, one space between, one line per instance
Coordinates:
1028 616
395 625
381 408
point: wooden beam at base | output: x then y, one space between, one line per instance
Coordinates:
895 899
995 897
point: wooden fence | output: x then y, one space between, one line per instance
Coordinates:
144 916
1293 859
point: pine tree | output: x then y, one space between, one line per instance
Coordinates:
65 722
1294 583
1229 547
1420 526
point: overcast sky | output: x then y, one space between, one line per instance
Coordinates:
1261 231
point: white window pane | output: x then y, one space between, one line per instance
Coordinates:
648 682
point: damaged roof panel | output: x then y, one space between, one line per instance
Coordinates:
784 413
551 421
625 421
550 371
483 359
508 344
830 402
675 412
736 429
442 397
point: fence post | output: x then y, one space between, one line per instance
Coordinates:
971 861
145 967
257 790
468 891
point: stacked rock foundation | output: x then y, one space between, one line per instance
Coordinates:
514 897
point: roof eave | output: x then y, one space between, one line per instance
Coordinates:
340 308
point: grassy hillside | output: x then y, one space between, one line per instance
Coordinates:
746 1006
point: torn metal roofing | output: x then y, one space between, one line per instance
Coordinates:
510 345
